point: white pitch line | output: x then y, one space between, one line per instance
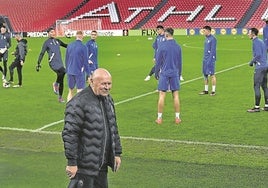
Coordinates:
220 49
139 96
133 98
49 125
154 140
149 93
197 143
120 102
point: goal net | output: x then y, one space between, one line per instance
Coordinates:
68 28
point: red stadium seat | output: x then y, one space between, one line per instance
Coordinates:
126 14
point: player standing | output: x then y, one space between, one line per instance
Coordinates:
5 44
20 54
265 34
168 70
92 48
76 63
259 60
52 47
209 61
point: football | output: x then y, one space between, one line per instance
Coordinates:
68 33
6 85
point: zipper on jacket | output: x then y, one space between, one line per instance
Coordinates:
105 133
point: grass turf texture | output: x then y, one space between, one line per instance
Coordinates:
33 159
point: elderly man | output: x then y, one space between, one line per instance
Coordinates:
90 134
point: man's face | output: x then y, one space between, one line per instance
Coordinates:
160 31
52 33
93 35
206 32
250 35
102 85
3 30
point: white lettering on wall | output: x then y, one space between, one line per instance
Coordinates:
137 11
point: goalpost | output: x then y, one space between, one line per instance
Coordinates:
68 28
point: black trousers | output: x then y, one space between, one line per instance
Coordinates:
260 81
16 64
4 58
60 78
86 181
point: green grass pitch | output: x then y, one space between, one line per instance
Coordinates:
218 143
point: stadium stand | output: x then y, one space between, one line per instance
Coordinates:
126 14
222 13
122 12
31 15
259 15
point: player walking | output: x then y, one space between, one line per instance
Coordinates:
52 47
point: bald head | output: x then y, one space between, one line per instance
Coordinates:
100 72
101 82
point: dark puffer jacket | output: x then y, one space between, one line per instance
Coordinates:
21 50
84 132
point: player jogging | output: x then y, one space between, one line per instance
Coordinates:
52 47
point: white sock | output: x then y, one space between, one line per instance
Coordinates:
159 115
177 115
206 87
213 88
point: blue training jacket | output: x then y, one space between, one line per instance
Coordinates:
5 41
76 59
209 57
259 54
158 41
168 59
52 47
265 36
92 48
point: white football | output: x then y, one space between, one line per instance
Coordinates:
6 85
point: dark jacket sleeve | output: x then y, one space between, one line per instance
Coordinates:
72 128
62 43
22 51
118 146
8 41
42 53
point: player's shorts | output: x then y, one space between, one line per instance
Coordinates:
168 83
76 80
209 69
